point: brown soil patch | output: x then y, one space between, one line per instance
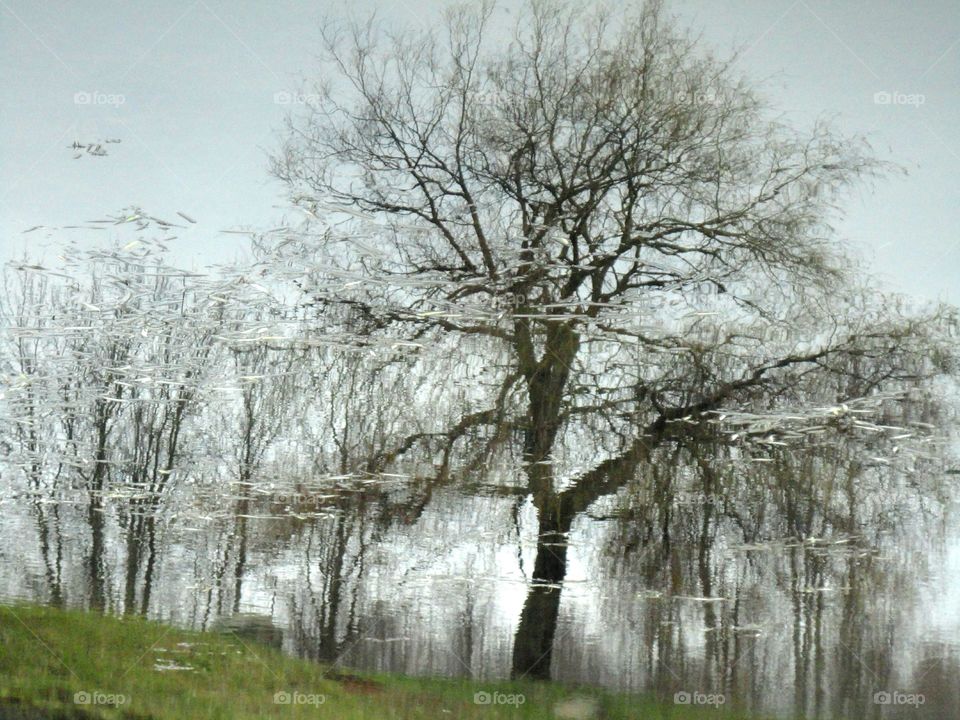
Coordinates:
356 684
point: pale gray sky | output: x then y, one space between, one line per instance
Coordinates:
191 89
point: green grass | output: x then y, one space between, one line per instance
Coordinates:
47 656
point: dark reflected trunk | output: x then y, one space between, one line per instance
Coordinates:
327 646
51 565
533 643
148 572
95 509
546 382
95 567
467 640
534 639
240 568
327 626
134 531
141 541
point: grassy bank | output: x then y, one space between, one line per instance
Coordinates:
70 664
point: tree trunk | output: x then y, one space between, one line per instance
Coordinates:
533 643
536 633
327 646
546 380
134 538
240 567
151 563
95 564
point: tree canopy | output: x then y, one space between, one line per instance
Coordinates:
610 205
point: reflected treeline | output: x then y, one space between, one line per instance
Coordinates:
197 449
788 579
753 575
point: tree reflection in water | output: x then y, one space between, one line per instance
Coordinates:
785 578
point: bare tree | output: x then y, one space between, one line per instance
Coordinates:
613 211
604 201
570 245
